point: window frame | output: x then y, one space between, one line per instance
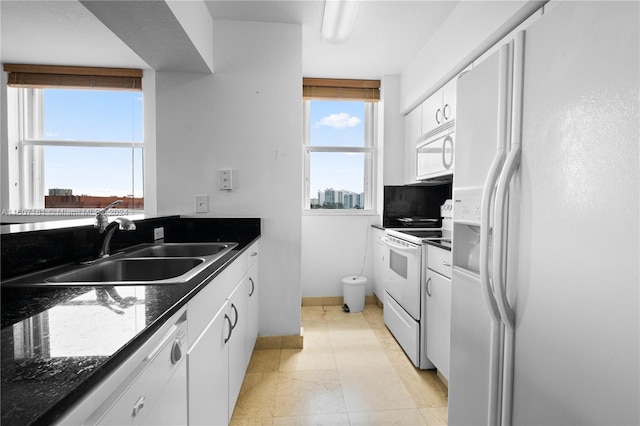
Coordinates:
370 154
29 142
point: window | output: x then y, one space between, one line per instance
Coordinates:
339 148
75 149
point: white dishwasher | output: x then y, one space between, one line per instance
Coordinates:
156 392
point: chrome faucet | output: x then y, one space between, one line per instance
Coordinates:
101 217
121 223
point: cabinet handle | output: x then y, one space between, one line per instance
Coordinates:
176 352
438 119
226 339
444 111
428 282
254 253
137 407
236 312
253 287
445 263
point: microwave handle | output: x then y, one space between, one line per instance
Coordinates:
447 164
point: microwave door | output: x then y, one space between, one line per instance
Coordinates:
434 157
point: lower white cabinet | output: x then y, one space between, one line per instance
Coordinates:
239 354
439 308
254 298
208 367
150 388
221 350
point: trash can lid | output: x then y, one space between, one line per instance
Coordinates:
354 280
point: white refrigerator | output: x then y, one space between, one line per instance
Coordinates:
545 322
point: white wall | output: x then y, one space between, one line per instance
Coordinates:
470 29
393 133
334 247
247 117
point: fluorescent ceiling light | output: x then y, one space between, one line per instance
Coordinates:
339 18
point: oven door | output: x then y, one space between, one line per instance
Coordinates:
402 274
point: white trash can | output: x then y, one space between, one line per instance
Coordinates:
354 289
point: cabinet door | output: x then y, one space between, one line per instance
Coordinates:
438 320
238 351
207 363
449 100
412 131
432 115
254 307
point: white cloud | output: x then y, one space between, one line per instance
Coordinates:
338 121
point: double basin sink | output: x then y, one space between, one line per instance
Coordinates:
164 263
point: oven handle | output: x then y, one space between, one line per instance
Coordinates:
391 244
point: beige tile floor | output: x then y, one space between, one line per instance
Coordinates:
350 372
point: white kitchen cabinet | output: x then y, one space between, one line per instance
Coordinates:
439 108
238 350
254 297
148 389
208 368
412 131
219 358
439 308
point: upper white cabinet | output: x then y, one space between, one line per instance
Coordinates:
439 108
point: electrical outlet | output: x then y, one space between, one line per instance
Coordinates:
158 234
202 203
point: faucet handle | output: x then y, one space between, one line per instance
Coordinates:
115 203
101 216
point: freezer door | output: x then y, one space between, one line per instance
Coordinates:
573 225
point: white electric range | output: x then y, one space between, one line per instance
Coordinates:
404 282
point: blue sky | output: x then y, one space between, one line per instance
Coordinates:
93 115
337 123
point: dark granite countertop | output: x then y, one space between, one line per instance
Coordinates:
58 343
443 244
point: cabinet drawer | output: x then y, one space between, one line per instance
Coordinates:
439 260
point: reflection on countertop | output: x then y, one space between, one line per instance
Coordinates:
50 354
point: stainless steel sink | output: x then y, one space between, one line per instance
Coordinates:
182 250
130 270
144 264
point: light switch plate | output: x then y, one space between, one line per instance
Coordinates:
202 203
225 179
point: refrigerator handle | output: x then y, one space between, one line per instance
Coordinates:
495 366
511 166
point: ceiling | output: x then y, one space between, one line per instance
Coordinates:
386 36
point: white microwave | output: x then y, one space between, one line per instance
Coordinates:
434 153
